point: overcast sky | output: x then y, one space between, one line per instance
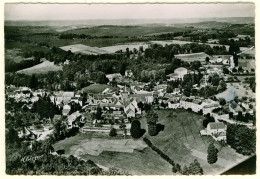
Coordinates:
124 11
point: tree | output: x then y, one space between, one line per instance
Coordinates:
207 59
230 114
212 154
136 130
222 101
152 129
99 113
215 80
195 168
240 69
34 82
222 86
151 117
225 70
240 116
112 132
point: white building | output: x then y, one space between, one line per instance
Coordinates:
217 130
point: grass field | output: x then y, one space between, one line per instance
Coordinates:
182 142
84 49
97 88
41 68
132 156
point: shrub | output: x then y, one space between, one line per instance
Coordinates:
135 130
212 154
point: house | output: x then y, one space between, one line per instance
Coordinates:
128 73
234 107
217 130
114 75
172 77
209 107
130 113
181 72
194 105
67 62
72 119
144 97
173 104
219 60
66 110
176 91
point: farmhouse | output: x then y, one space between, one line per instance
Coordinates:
217 130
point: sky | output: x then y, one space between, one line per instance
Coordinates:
125 11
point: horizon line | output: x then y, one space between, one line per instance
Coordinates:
127 19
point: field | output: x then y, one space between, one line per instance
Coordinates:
113 49
97 88
84 49
132 156
180 42
42 68
182 142
193 56
14 54
236 89
122 31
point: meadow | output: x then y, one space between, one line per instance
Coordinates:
41 68
127 155
182 142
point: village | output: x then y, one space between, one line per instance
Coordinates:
119 108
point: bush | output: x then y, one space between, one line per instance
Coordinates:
212 154
135 130
112 132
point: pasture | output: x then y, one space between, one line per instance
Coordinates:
41 68
84 49
182 142
128 155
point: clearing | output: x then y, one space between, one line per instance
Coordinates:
41 68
